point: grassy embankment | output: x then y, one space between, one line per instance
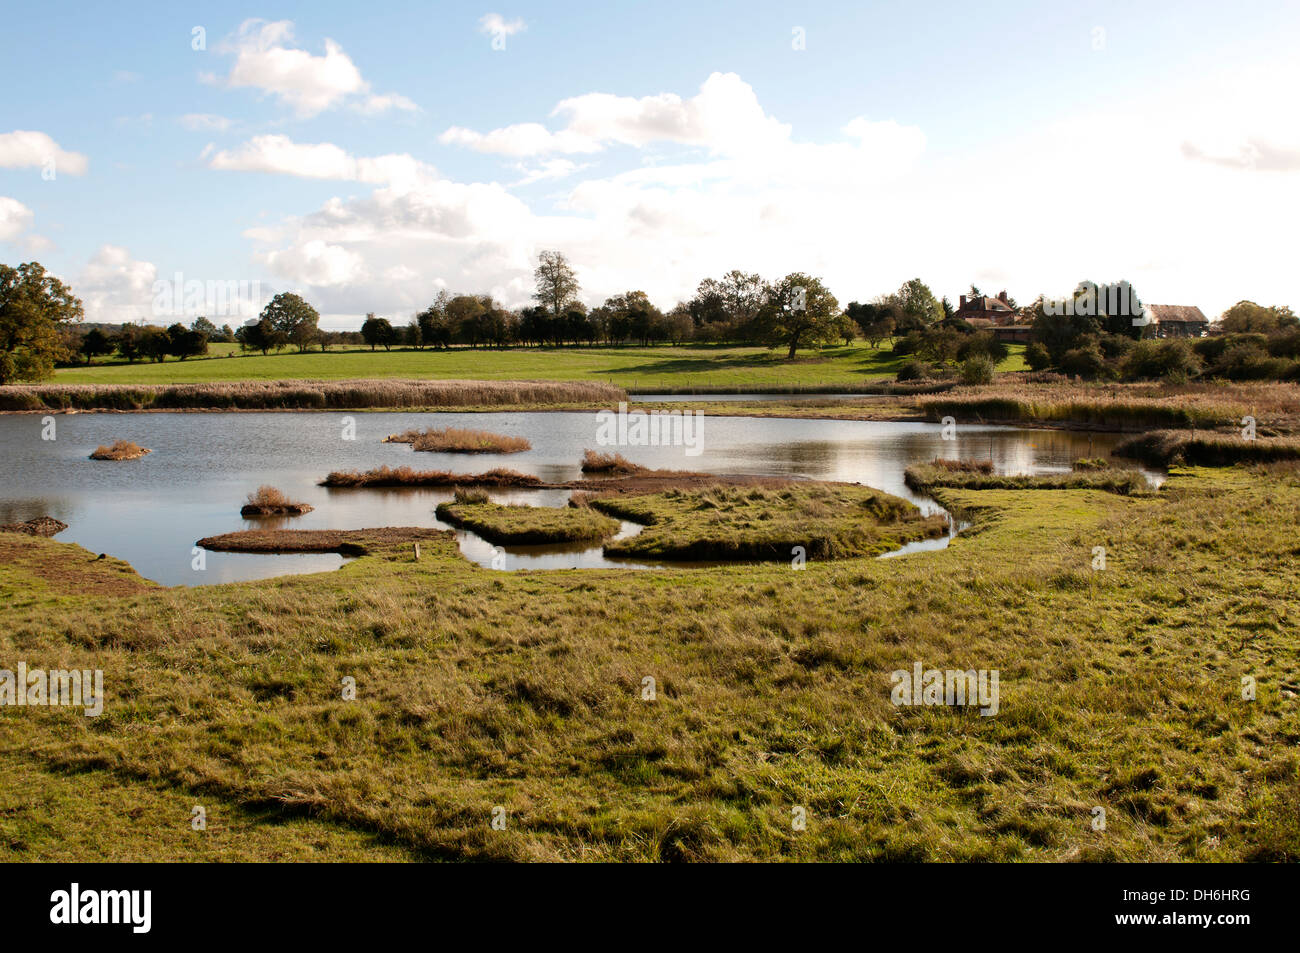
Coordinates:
310 395
1119 688
761 523
926 477
663 369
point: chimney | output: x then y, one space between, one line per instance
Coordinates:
963 303
1002 296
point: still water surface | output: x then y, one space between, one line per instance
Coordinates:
151 511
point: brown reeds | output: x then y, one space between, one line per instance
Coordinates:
386 476
268 501
460 440
121 450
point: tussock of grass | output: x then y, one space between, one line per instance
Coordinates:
925 477
406 476
527 525
268 501
457 440
611 463
303 394
121 450
758 523
1205 448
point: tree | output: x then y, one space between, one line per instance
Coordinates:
154 343
34 307
293 320
875 319
557 282
183 342
95 344
435 329
917 306
257 336
799 311
1246 317
205 327
378 331
128 342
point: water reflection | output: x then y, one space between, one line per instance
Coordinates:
150 511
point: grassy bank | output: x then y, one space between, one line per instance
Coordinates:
387 476
1163 447
477 689
666 369
305 395
927 476
528 525
758 523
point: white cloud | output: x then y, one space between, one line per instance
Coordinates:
318 264
865 209
116 288
494 24
205 122
15 218
725 117
309 84
25 148
324 160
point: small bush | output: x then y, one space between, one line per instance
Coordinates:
977 369
121 450
268 501
593 462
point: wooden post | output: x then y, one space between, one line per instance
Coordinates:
417 552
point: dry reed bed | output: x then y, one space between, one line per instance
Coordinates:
1133 406
268 501
386 476
593 462
460 440
121 450
302 395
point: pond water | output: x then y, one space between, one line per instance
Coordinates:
151 511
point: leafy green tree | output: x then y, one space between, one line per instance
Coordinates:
258 336
800 312
378 332
917 305
293 320
154 343
34 308
183 342
95 344
205 327
557 283
128 342
1247 316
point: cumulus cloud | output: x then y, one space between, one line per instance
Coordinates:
725 117
15 218
28 149
116 288
308 83
324 160
865 208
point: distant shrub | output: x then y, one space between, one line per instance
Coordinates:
977 369
268 501
593 462
915 371
121 450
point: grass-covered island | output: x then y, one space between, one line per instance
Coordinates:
788 523
525 525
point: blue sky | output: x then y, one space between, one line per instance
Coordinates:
369 155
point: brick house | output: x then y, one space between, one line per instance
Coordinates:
981 311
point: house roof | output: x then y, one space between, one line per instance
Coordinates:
984 303
1187 313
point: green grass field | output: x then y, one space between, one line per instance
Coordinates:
477 690
634 368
